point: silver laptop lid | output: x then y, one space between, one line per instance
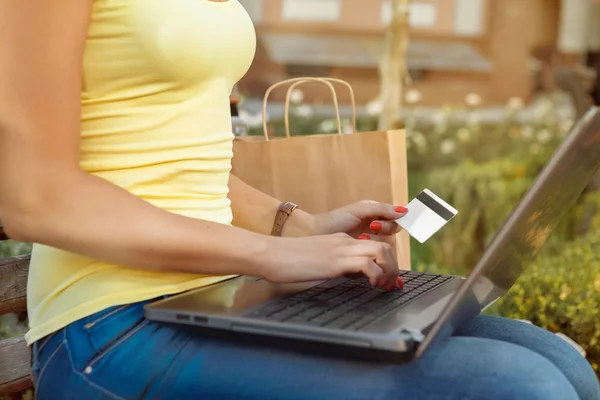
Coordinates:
524 233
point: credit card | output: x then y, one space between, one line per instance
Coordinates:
427 214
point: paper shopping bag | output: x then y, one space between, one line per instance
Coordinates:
324 172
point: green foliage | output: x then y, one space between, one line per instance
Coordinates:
484 194
561 289
448 141
12 324
587 214
11 248
562 294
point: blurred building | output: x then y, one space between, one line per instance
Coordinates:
456 47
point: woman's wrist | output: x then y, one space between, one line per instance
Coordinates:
300 223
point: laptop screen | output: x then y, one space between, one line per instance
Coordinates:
552 195
526 230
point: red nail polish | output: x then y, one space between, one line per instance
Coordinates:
401 210
400 283
364 237
375 226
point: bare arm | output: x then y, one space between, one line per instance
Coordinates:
255 211
46 198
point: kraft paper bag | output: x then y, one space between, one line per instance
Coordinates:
324 172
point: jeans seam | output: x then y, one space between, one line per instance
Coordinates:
42 343
82 376
35 359
171 366
37 381
107 315
118 342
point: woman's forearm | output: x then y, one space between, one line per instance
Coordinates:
89 216
46 198
255 211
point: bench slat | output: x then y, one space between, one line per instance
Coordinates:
13 284
14 366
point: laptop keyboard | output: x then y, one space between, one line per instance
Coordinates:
351 305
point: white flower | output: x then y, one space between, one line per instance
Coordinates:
543 109
473 100
544 136
252 120
440 121
304 110
347 129
413 96
419 140
464 135
296 96
448 146
514 103
528 132
375 107
440 118
328 125
473 119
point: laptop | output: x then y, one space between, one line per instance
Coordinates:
348 317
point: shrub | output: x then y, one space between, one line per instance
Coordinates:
561 293
13 324
11 248
484 194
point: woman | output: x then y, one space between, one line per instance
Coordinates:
115 149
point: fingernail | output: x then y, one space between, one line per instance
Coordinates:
364 237
400 283
375 226
401 210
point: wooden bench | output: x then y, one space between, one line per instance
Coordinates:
15 371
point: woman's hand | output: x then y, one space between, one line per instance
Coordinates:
332 250
314 258
365 219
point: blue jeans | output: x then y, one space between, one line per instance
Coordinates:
117 354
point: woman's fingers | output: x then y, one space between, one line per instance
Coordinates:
369 268
385 227
370 210
385 260
393 274
383 256
389 239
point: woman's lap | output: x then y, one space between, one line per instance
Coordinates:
152 361
578 371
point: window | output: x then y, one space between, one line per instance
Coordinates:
311 10
254 9
420 14
468 17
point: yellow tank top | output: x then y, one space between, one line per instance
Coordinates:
155 120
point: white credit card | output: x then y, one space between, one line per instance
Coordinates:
426 215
